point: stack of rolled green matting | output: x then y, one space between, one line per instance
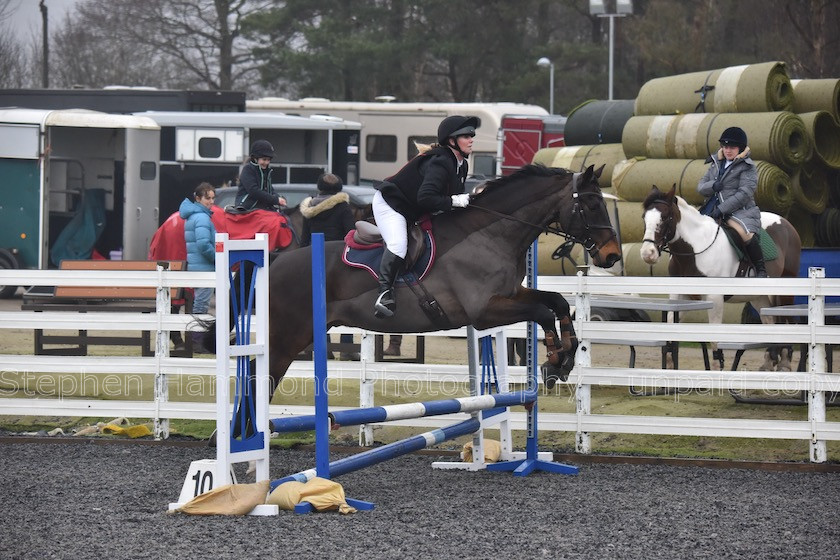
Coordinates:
597 122
578 158
827 229
634 178
779 137
810 188
817 95
825 136
736 89
803 222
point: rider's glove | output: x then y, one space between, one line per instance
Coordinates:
716 213
460 200
718 186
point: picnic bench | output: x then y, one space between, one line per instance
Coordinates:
116 299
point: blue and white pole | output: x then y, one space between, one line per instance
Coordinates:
357 416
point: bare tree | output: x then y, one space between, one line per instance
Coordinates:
91 49
18 66
203 38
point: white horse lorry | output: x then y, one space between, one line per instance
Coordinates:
57 165
199 146
67 171
390 130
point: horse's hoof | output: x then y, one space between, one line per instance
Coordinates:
212 441
552 374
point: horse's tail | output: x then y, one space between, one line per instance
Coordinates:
209 338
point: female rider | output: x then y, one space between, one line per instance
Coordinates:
431 182
732 178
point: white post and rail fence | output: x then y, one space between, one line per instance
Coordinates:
184 388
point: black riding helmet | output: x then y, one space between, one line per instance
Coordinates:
456 125
734 136
262 148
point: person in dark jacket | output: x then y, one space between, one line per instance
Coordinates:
255 180
329 213
200 237
431 182
732 178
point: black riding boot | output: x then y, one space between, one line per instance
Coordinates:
757 257
386 303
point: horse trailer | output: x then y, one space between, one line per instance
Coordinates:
390 130
76 181
212 146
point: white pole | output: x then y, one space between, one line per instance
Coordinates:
551 85
612 25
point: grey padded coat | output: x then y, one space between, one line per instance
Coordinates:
737 197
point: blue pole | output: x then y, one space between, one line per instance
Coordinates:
319 357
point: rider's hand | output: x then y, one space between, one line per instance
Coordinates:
718 186
716 213
460 200
281 201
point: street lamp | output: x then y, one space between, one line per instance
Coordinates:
546 62
622 8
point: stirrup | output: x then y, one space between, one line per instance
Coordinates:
381 310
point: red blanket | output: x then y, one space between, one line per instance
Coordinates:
168 241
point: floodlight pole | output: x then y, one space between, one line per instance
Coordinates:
544 61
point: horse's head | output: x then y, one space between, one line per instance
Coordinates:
661 213
587 220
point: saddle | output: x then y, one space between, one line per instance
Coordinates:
367 236
364 248
768 248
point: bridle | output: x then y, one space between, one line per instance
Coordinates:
587 241
668 221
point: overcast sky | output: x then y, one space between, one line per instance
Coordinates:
25 19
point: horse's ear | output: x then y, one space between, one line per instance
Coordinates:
599 171
672 192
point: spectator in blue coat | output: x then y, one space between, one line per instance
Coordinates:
200 236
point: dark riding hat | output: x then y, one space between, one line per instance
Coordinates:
329 183
456 125
734 136
262 148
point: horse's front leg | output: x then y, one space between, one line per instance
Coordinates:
544 308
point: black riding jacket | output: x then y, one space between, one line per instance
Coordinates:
255 188
425 184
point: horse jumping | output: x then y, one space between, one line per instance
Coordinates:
477 275
699 247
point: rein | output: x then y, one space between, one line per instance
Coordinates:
663 247
587 243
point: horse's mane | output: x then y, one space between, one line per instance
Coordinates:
653 196
527 171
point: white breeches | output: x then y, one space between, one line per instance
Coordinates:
392 226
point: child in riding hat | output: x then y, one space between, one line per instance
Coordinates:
431 182
732 178
255 180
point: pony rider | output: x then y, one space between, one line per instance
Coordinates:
431 182
732 178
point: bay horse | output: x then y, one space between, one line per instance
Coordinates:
476 278
700 247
